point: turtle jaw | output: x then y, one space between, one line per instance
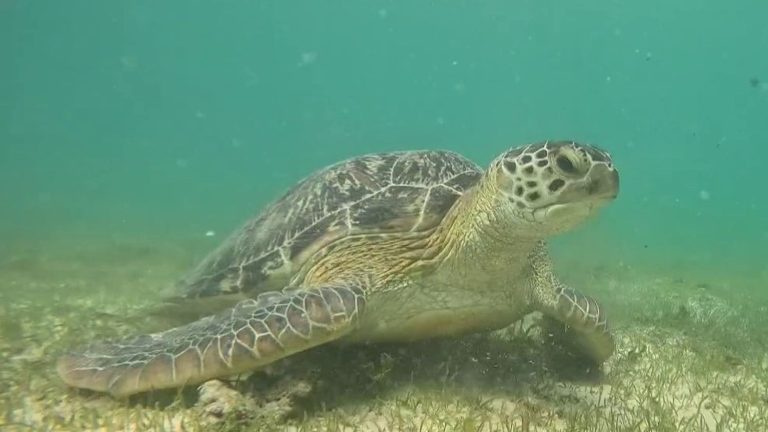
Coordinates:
581 200
564 216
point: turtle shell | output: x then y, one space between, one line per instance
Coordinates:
374 193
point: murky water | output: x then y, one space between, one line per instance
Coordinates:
134 137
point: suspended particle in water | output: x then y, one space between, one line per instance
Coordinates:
759 84
129 62
647 55
210 233
704 195
720 142
253 78
307 58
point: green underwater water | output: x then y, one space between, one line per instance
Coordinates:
177 118
148 124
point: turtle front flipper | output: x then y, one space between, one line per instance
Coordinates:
251 334
586 322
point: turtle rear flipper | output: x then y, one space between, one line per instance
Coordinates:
251 334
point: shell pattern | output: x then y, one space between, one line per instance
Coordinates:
375 193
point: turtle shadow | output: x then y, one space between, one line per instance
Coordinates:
347 376
471 366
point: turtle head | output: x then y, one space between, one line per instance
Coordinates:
554 186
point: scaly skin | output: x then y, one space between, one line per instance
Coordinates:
252 334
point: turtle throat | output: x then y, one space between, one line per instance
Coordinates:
481 225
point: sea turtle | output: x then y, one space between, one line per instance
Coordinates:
395 246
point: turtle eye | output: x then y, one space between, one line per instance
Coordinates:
565 164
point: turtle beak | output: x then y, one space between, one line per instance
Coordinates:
603 183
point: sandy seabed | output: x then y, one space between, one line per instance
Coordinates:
690 357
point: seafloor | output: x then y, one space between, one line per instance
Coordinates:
691 357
